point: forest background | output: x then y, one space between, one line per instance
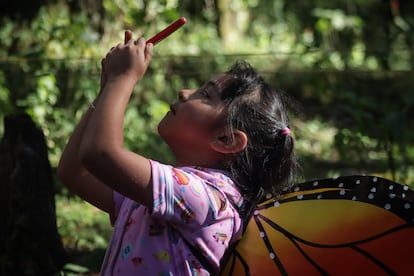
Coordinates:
346 65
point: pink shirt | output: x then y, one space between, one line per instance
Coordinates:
145 243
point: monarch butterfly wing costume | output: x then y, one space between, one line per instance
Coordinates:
350 224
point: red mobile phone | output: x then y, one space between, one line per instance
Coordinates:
167 31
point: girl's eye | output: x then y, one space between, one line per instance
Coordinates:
205 93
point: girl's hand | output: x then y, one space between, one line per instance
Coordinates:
128 61
127 37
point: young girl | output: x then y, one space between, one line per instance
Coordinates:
230 139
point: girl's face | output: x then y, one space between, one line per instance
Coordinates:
194 121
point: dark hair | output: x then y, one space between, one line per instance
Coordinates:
268 162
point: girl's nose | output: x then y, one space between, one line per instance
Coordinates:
184 94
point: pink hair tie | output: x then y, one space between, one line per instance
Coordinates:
284 132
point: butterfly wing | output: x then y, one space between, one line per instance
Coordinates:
352 224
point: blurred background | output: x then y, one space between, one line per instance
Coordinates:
346 65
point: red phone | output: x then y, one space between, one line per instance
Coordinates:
167 31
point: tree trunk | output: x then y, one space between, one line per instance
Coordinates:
29 240
233 23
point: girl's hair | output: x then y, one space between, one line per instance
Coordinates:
268 162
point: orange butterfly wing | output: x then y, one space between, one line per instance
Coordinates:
354 224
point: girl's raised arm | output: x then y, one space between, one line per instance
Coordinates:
74 175
102 148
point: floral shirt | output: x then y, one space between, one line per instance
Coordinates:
184 212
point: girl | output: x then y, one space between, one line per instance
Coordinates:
230 140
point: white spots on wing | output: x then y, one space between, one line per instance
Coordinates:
392 197
371 195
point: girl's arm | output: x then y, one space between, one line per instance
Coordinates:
102 147
72 172
74 175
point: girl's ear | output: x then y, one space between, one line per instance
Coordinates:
225 144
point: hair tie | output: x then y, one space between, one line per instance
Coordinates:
285 131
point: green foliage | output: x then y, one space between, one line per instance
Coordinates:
50 64
82 226
348 64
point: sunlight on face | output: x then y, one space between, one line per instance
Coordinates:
195 119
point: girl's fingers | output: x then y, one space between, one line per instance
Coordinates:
127 36
140 41
148 52
147 49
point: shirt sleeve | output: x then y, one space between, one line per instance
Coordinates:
118 199
181 198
